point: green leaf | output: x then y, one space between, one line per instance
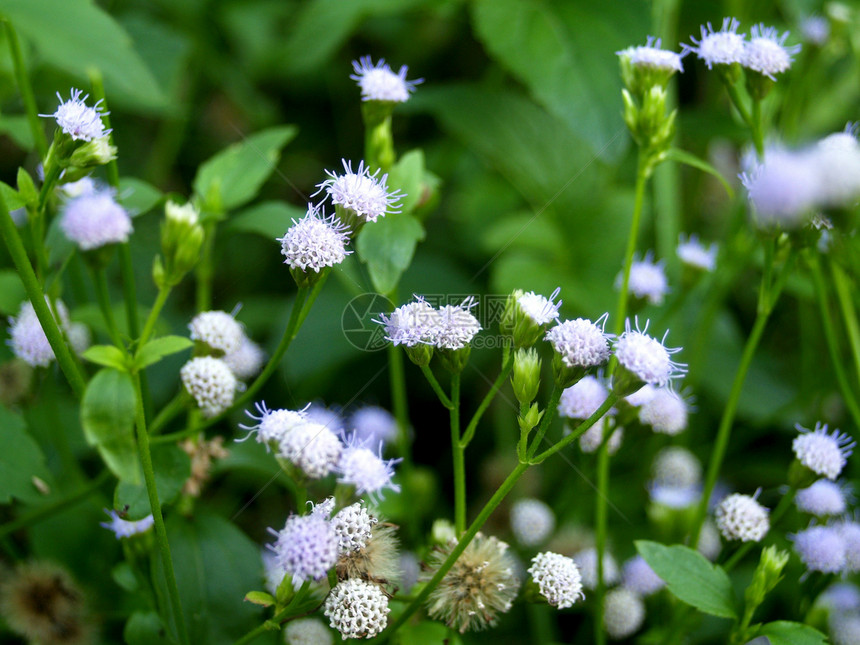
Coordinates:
407 175
172 468
269 219
107 417
158 348
20 460
691 578
144 628
18 128
426 632
76 36
234 176
784 632
137 196
12 197
260 598
684 157
106 355
12 292
387 246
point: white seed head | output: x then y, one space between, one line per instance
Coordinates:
532 521
218 329
722 47
581 400
77 119
353 526
645 357
820 548
765 52
623 613
824 454
306 547
665 412
676 466
307 631
455 325
315 241
741 517
823 498
694 254
379 83
357 609
539 309
366 194
647 280
366 470
411 324
558 579
586 560
580 342
638 576
94 220
312 448
210 382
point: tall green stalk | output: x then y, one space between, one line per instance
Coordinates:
849 315
458 458
639 199
26 89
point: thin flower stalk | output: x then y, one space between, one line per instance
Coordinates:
459 458
434 383
26 89
849 314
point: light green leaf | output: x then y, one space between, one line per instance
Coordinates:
407 175
20 460
172 468
12 292
158 348
426 632
269 219
107 417
106 355
260 598
12 197
684 157
234 176
137 196
18 128
691 578
784 632
76 36
387 246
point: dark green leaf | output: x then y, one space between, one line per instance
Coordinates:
20 460
107 417
387 246
12 292
172 468
137 196
691 578
234 176
784 632
106 355
144 628
77 35
269 219
684 157
158 348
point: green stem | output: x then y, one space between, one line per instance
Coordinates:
488 398
275 621
757 127
458 457
168 413
464 541
578 431
849 315
431 379
37 298
737 101
149 326
600 521
205 271
289 334
100 281
641 179
830 337
58 506
546 419
23 80
99 95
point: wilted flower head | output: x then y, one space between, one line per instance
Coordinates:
783 189
581 400
532 521
379 83
273 425
217 329
411 324
694 254
540 309
362 192
586 560
580 342
647 280
366 470
27 339
372 425
378 560
357 609
210 382
307 547
77 119
764 52
480 585
315 241
824 454
94 220
623 613
665 412
307 631
722 47
820 548
647 358
312 447
125 528
557 578
741 517
823 498
638 576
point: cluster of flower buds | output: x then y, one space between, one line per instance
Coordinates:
182 237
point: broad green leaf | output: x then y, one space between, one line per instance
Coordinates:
387 246
426 632
691 578
12 292
158 348
137 196
260 598
684 157
205 549
76 36
407 175
20 460
144 628
11 197
172 468
269 219
234 176
106 355
565 55
107 417
18 128
784 632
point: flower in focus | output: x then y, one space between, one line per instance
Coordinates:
315 241
357 609
273 425
722 47
210 382
218 330
581 343
77 119
741 517
824 454
379 83
312 448
557 578
765 52
651 55
367 471
307 547
363 194
644 359
455 325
